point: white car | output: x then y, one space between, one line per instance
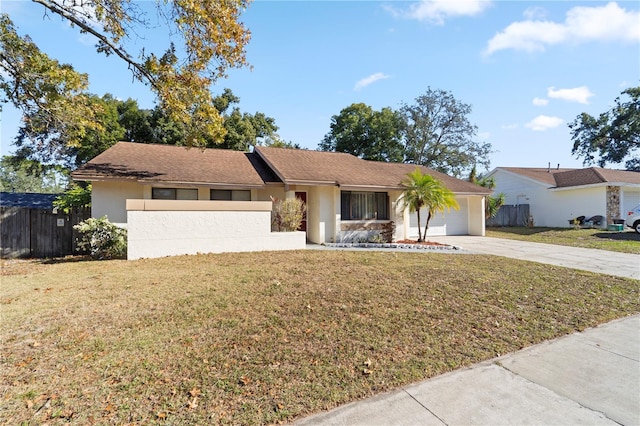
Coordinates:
633 219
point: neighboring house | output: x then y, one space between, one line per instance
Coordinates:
27 199
347 198
557 195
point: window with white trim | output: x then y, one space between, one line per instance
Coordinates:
363 205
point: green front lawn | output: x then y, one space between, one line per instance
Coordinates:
259 338
627 241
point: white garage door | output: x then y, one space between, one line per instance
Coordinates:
454 222
630 199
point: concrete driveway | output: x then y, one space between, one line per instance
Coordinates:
600 261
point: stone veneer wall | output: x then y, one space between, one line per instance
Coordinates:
613 204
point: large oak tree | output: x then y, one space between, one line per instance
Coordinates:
434 131
437 133
612 137
365 133
52 96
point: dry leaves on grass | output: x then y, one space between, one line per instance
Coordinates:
261 338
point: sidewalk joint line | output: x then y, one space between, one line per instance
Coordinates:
425 407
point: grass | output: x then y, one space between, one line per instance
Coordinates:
263 338
624 242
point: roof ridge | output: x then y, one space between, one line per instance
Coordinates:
599 174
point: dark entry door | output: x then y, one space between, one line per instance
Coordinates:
303 197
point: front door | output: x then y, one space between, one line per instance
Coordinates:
302 196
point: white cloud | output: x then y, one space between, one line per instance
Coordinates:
582 24
510 126
577 94
540 101
535 12
370 80
544 122
436 11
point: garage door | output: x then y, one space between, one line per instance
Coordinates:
630 199
454 222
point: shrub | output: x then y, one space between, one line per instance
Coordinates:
388 231
493 204
288 214
74 197
102 239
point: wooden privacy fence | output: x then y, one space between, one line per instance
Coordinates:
27 232
511 216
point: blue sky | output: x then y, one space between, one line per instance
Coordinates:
527 68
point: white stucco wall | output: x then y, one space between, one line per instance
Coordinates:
211 227
110 199
321 225
563 205
552 208
468 220
267 193
399 216
321 208
476 217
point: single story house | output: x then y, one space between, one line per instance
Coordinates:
347 198
557 195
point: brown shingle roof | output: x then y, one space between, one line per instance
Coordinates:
564 178
545 175
179 165
174 164
296 166
595 175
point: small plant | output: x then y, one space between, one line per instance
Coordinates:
576 223
102 239
288 214
74 197
531 222
377 239
493 204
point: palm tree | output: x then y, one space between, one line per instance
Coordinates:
424 190
492 204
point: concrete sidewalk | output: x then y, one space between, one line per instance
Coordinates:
591 377
600 261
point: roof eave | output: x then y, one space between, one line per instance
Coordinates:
594 185
196 183
310 182
96 178
90 178
370 187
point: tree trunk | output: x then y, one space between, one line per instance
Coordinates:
426 226
419 226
